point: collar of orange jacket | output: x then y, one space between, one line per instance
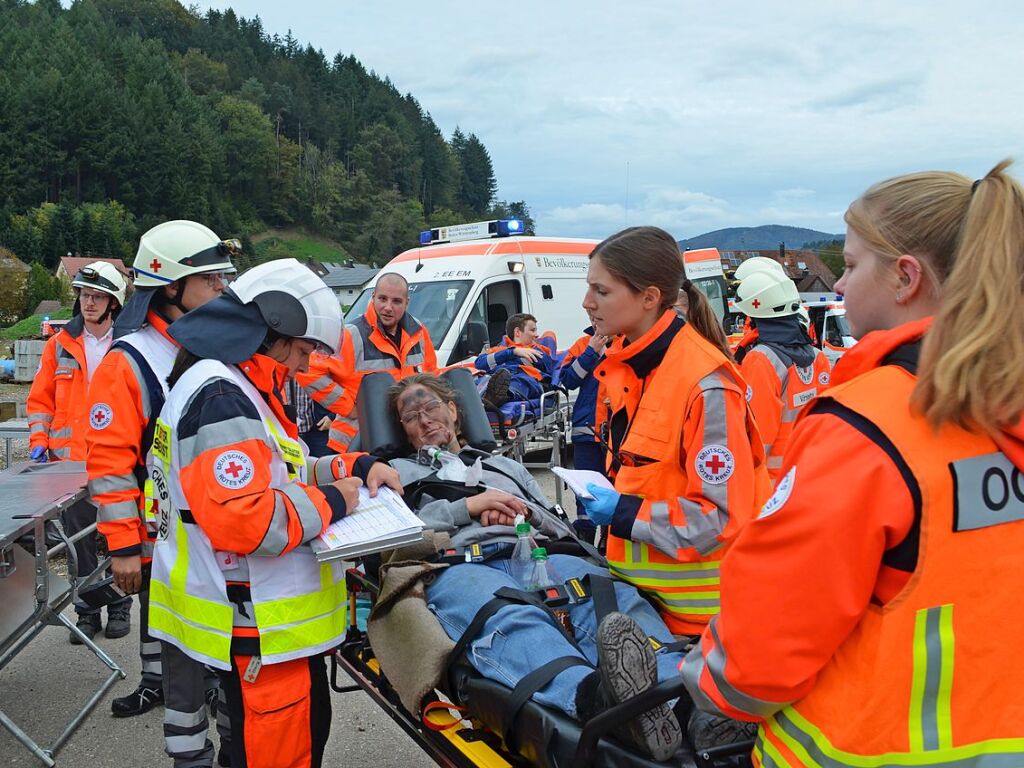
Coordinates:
406 324
160 324
269 377
869 352
646 353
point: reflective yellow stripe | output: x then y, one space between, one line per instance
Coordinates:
290 449
148 501
200 612
204 642
813 748
305 635
291 610
943 705
179 571
917 684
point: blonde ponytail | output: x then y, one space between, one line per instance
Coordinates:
972 363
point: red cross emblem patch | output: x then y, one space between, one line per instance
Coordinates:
100 416
714 464
233 469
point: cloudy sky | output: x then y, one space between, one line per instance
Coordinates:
694 115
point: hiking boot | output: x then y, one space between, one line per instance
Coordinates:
496 392
138 702
626 668
89 625
119 620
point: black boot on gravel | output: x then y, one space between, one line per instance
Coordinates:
627 668
88 625
138 702
119 620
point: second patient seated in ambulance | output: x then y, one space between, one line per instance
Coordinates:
474 498
521 366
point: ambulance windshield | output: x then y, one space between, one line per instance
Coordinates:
434 304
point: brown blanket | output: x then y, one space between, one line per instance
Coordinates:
406 638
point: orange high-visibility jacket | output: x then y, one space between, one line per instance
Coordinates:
323 382
778 391
367 349
119 412
688 459
892 555
239 489
58 406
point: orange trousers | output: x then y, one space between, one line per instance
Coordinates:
281 719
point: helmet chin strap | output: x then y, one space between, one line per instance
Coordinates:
107 312
176 301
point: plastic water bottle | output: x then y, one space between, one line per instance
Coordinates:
542 573
522 554
542 576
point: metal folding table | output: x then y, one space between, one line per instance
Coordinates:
15 429
32 495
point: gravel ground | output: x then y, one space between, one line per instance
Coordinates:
50 679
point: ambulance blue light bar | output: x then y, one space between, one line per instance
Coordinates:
475 231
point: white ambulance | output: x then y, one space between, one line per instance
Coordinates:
466 280
703 267
828 318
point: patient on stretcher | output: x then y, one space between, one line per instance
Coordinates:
477 504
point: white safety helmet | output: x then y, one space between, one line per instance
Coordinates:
293 301
767 294
176 249
758 264
102 276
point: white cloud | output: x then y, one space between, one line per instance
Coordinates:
786 110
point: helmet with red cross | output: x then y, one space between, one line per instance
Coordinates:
767 293
176 249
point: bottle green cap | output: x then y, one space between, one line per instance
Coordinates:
540 554
522 528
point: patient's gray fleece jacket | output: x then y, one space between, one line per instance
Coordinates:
452 517
407 639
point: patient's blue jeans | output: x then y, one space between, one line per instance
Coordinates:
520 638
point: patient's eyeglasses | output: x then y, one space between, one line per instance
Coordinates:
430 410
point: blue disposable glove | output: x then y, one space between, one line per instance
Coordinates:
601 508
39 455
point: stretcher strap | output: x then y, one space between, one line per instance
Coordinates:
445 705
528 686
602 592
502 597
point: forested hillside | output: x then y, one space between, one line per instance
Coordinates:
117 114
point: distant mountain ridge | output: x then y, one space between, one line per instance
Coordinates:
760 238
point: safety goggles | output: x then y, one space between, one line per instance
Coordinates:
431 410
218 279
310 347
